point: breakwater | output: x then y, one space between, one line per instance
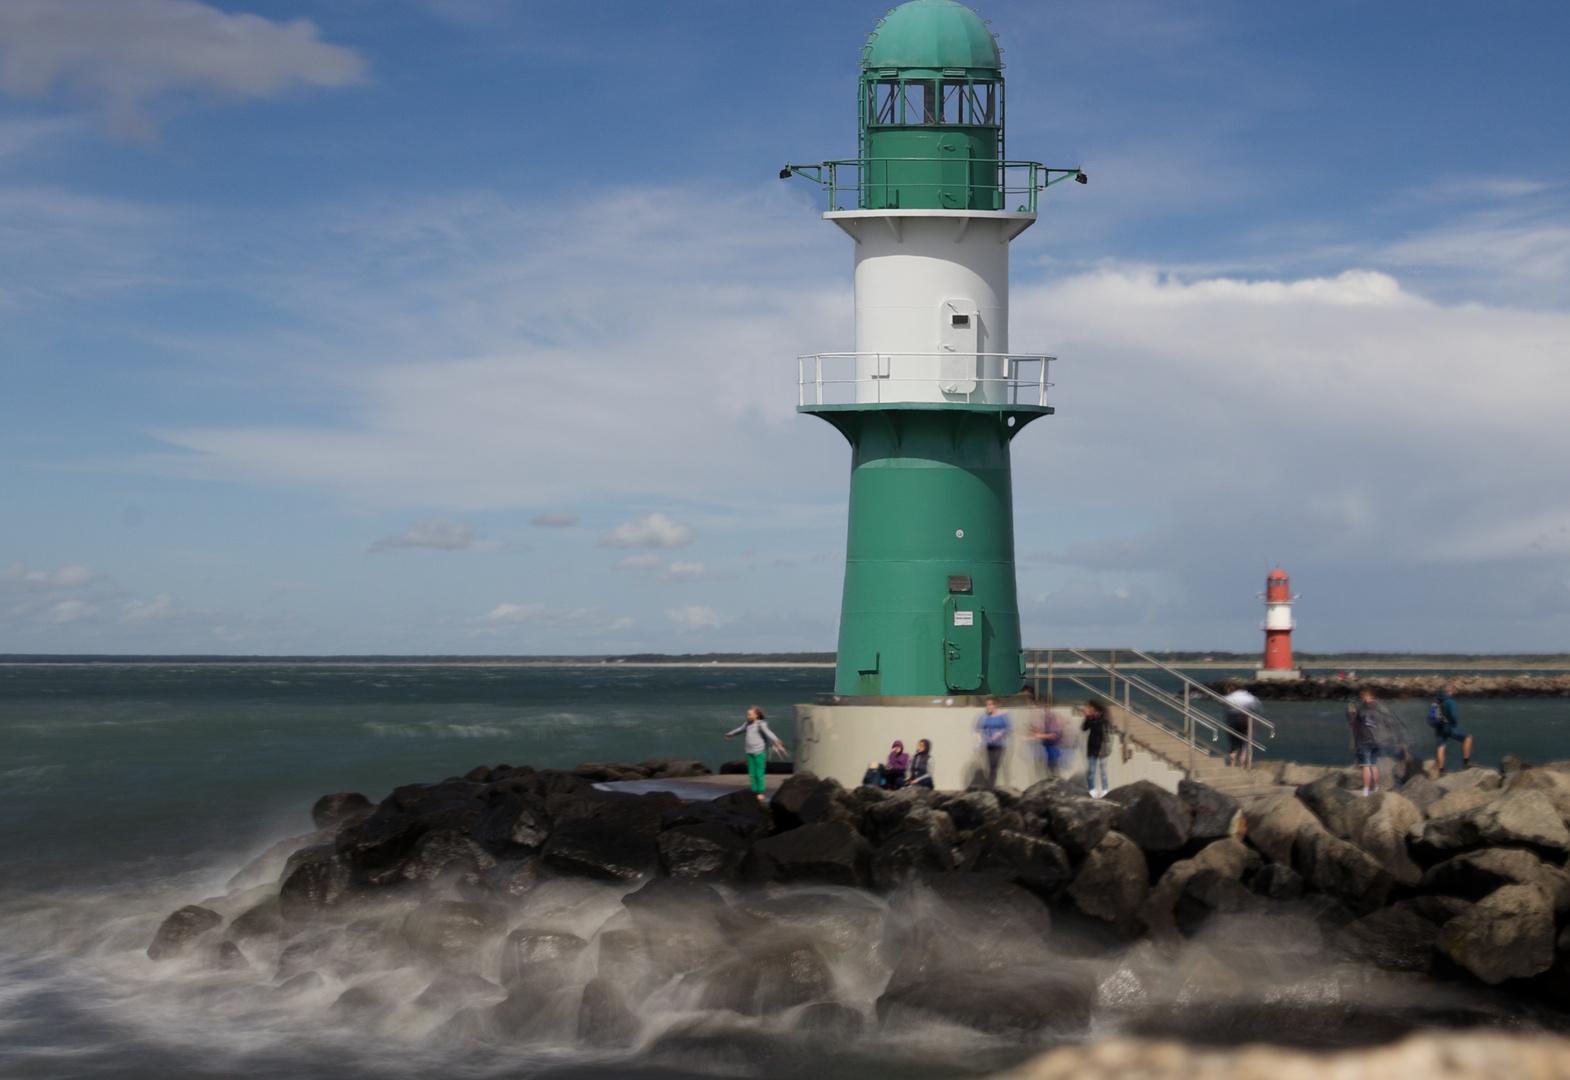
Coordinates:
1332 688
515 905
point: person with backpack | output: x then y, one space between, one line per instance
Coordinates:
757 746
1442 718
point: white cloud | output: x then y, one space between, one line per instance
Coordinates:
690 571
513 613
650 561
66 611
649 530
690 617
560 519
122 54
66 577
437 534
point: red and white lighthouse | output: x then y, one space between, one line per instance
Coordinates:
1278 628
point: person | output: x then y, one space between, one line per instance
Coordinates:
1442 716
1050 735
1098 746
920 772
1239 704
758 736
992 733
1367 718
891 774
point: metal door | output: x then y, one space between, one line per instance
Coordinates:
959 330
962 625
954 172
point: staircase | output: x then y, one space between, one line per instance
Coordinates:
1158 709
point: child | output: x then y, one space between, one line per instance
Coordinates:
757 746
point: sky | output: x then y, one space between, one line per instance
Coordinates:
470 326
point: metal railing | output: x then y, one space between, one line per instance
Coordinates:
1173 709
866 182
1023 382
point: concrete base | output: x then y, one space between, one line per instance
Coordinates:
841 741
1278 674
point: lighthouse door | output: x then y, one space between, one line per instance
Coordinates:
959 329
962 625
954 171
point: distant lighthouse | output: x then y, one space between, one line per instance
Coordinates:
1278 629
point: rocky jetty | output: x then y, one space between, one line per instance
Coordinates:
523 900
1332 688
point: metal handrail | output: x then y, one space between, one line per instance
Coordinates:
1013 384
1038 178
1192 719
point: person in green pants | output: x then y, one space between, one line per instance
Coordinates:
757 745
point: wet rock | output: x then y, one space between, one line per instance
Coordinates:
598 849
305 982
701 851
530 953
228 957
1379 825
1275 833
769 979
1509 934
972 809
788 801
180 930
1152 817
1213 815
828 1022
749 821
1474 875
1228 858
453 989
443 853
513 824
1113 883
1080 823
1343 871
1328 801
1421 792
1020 1002
829 801
357 1001
1032 861
380 839
453 931
313 886
670 898
635 815
1208 893
1277 881
605 1018
674 768
263 920
332 810
830 852
506 882
1396 938
885 817
1514 819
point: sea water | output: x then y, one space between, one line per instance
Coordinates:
129 791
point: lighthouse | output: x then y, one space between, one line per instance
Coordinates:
1278 628
930 399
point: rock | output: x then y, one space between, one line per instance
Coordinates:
1487 779
444 853
768 979
381 839
1275 833
1507 935
1113 883
923 845
1277 881
828 1023
229 958
513 824
1553 783
701 851
605 1018
1421 792
1328 800
1296 775
333 810
1395 939
506 882
1152 817
1213 815
1227 858
1020 1001
1080 823
601 772
787 803
176 933
829 801
1476 874
637 816
601 850
531 954
451 990
1516 818
1031 861
1460 801
749 821
830 852
673 768
263 920
313 886
1343 871
1379 825
453 931
1436 909
1207 893
973 809
357 1001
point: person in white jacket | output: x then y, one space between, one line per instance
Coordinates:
757 746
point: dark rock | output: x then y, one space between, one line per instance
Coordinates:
313 887
1328 800
1507 935
228 957
1228 859
1514 819
1213 815
1079 824
263 920
604 1016
1152 817
1343 871
1113 883
830 852
1276 881
828 1022
506 882
332 810
513 824
1031 861
829 801
673 768
909 855
1207 893
453 931
380 840
442 853
636 815
600 772
452 989
1380 825
1395 939
749 820
176 933
787 803
530 954
1421 792
1021 1001
1275 831
1436 909
1475 874
480 774
357 1001
885 817
701 851
597 849
972 809
768 979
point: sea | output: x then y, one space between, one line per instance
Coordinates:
130 790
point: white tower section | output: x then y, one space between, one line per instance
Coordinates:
932 303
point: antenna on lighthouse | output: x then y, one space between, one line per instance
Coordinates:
1278 627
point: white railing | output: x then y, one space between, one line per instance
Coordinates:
872 378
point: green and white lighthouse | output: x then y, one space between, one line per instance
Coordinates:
932 396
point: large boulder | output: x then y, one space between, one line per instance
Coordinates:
1553 783
1421 792
1476 874
180 930
1113 883
1277 881
1396 938
1275 833
333 810
1328 800
453 931
1032 861
1152 817
884 817
831 852
1516 818
592 848
1459 801
1213 815
768 979
1487 779
316 882
701 851
1227 857
973 809
531 954
748 820
790 799
1342 871
1509 934
1379 825
1019 1001
514 824
1079 823
444 854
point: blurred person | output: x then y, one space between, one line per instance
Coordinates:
1098 746
920 772
1239 703
758 736
1367 718
992 735
1442 716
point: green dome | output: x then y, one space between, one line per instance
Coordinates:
934 35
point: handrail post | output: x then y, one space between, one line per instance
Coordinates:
1049 674
1188 727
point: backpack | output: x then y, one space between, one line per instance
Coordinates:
1436 716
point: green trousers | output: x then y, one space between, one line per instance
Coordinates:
755 771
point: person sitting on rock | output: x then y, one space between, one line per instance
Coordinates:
757 747
891 774
920 772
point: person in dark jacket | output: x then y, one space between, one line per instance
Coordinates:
1367 719
1098 746
891 774
920 772
1444 721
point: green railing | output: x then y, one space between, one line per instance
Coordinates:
864 183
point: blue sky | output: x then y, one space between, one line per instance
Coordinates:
463 326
